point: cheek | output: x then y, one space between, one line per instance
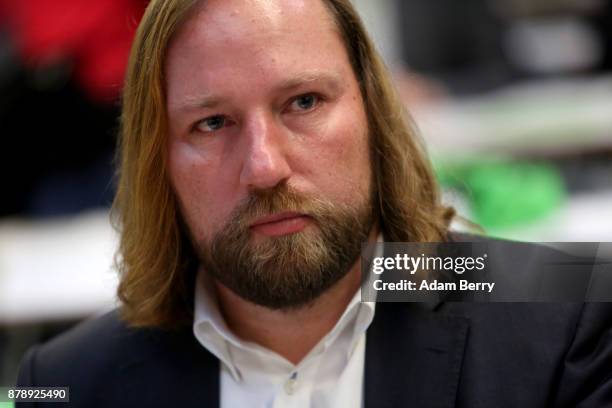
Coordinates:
340 156
190 175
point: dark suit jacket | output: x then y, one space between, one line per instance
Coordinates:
464 355
436 354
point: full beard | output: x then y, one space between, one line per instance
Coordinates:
289 271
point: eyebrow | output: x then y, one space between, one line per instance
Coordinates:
331 81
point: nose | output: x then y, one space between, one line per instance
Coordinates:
265 163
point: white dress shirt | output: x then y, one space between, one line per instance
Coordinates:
331 374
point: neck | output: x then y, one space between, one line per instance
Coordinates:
292 334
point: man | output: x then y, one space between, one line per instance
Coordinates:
261 145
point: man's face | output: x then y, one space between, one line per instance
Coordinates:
268 147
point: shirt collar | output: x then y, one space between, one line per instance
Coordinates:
211 331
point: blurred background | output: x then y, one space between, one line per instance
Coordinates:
513 99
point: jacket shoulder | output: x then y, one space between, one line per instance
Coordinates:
92 350
104 362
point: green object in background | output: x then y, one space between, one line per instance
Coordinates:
503 193
6 405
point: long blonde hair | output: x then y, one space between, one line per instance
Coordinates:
155 261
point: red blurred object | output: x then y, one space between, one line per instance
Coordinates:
94 36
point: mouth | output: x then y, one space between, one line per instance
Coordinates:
281 224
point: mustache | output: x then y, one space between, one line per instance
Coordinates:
280 198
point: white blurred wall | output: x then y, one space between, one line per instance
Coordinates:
380 18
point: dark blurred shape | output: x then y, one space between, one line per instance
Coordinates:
62 64
54 137
458 42
587 172
474 46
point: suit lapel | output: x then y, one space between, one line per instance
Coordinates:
171 370
413 357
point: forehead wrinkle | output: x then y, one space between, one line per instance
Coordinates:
190 102
268 19
332 80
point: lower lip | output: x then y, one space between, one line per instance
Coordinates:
282 227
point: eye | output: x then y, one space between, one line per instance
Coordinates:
211 123
305 102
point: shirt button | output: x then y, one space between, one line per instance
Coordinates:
291 384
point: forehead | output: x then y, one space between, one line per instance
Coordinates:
266 40
247 18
